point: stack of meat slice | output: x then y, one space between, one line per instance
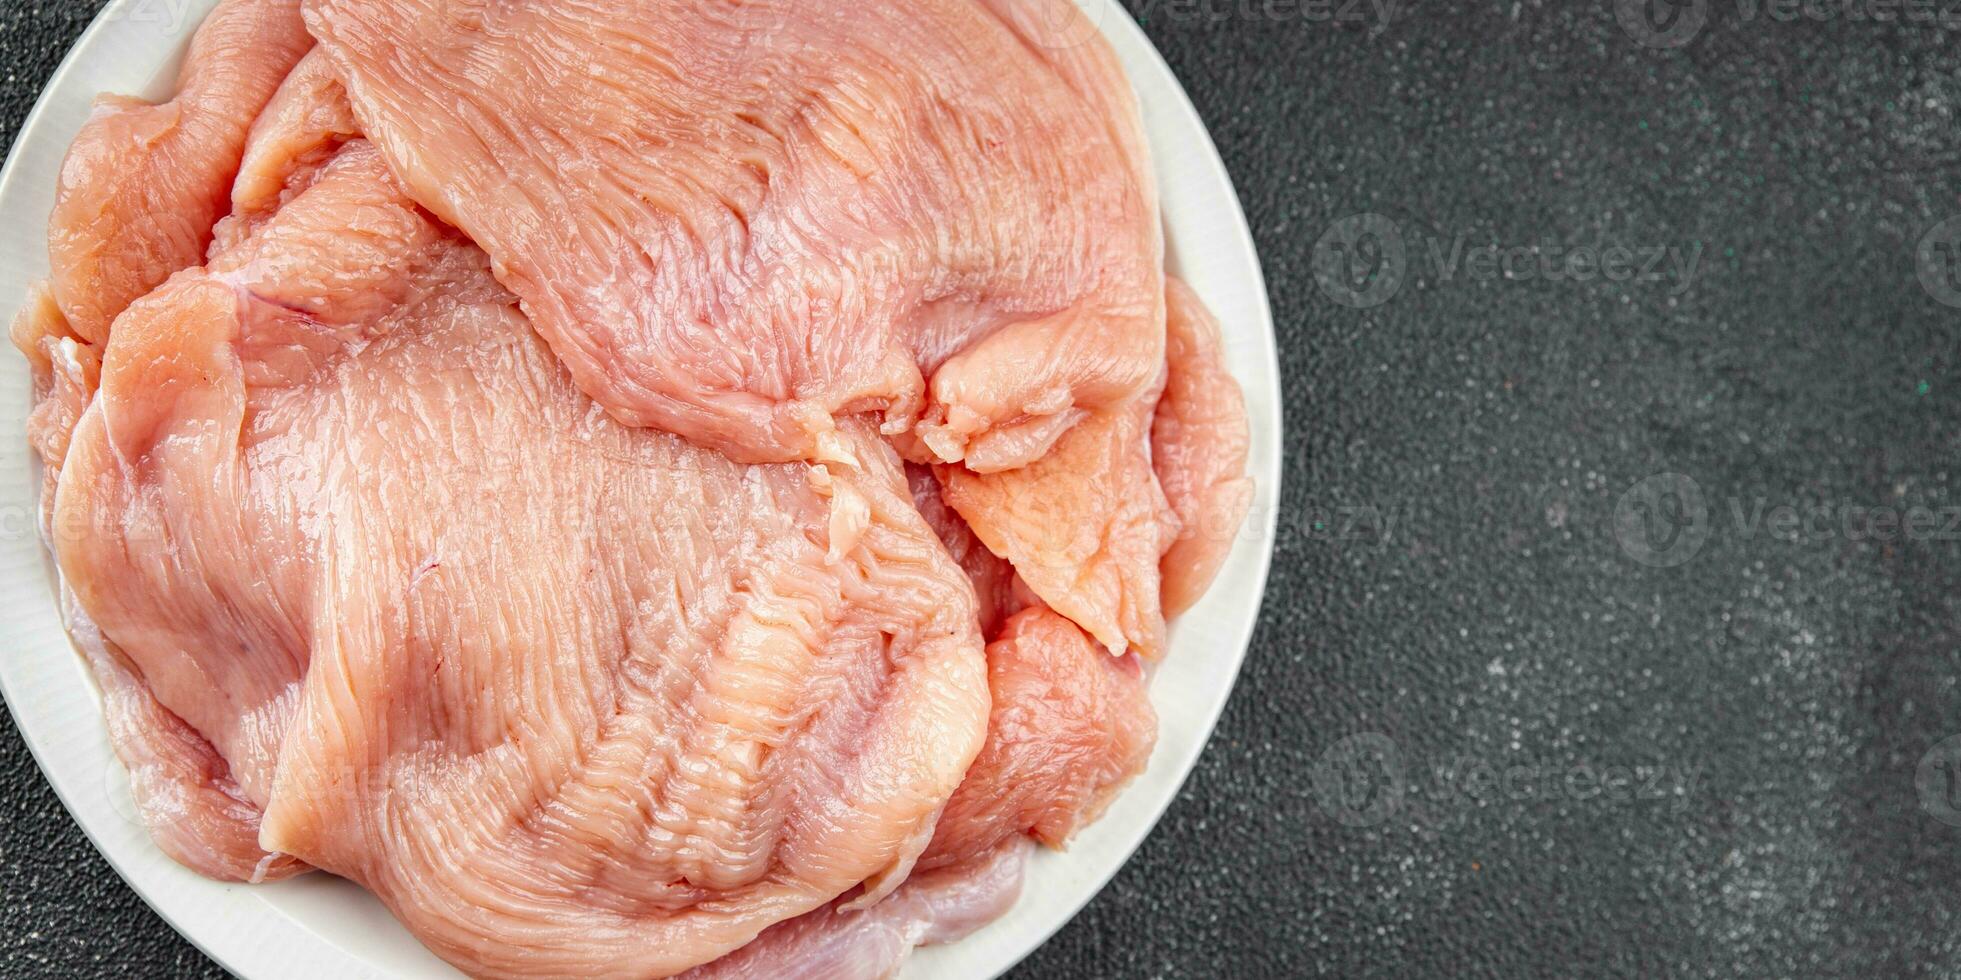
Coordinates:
629 483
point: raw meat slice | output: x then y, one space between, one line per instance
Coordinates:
580 699
1070 727
138 536
183 790
735 221
138 192
1199 443
992 577
1083 526
64 371
143 184
305 124
195 567
835 943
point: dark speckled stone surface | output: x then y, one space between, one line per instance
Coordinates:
1517 734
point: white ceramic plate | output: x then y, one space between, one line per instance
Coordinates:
321 927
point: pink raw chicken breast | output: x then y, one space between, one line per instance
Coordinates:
139 190
376 578
840 943
571 698
734 221
1131 515
1069 728
143 183
1084 526
305 124
1199 442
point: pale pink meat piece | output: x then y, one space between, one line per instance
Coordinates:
64 371
375 577
577 699
138 192
737 222
1084 526
305 124
182 788
197 568
836 943
1070 727
143 184
184 791
993 578
1131 515
1199 442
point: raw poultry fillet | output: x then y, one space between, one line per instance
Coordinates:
567 695
1070 726
735 220
143 184
1199 443
642 487
833 943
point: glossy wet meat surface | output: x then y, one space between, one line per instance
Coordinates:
604 559
737 221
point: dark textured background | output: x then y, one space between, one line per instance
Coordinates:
1471 675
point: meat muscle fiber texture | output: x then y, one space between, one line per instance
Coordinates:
1199 442
1070 726
143 184
556 464
733 694
736 221
138 192
1084 526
